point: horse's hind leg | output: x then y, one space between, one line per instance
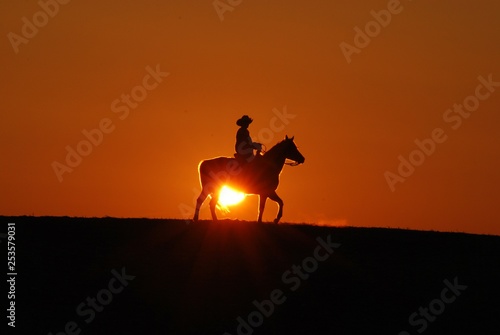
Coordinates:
213 204
199 202
262 205
273 196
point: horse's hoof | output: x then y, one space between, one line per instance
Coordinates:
276 221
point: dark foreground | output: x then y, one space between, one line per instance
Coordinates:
140 276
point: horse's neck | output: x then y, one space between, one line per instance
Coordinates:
276 158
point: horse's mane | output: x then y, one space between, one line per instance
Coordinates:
275 147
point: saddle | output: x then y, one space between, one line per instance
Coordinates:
247 160
249 166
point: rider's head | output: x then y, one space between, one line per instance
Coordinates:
244 121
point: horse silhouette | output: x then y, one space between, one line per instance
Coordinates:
261 176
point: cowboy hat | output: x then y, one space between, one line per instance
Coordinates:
244 121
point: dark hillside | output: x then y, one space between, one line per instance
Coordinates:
143 276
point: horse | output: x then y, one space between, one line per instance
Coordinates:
260 176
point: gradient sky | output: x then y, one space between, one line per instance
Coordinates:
351 120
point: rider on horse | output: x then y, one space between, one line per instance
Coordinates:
244 146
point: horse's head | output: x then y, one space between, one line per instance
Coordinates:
291 150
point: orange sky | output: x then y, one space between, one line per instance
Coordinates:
352 120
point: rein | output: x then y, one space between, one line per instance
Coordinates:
291 163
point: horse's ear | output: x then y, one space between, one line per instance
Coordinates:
286 137
292 138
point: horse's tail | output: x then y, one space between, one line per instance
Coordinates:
203 172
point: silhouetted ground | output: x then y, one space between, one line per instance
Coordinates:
201 278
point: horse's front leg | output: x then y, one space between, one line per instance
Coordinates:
277 199
262 204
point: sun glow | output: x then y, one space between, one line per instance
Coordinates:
230 197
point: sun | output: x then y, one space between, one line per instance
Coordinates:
230 197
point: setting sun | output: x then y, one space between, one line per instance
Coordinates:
394 103
229 196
